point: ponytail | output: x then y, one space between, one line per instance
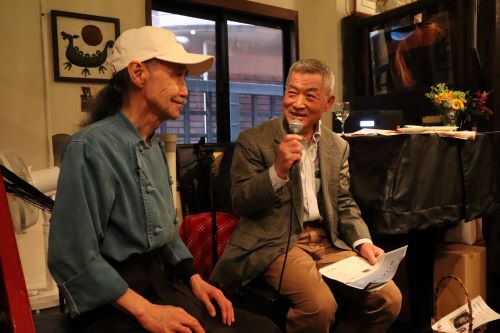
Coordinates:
109 100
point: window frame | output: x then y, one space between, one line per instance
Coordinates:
220 11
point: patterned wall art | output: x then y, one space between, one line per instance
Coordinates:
81 44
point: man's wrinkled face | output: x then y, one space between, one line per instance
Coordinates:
306 100
165 90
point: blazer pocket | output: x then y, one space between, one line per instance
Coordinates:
245 241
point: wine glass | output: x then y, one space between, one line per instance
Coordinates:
341 110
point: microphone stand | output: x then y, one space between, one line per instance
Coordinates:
206 158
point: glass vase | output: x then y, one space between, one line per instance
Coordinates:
449 117
464 121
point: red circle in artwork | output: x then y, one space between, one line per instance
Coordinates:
91 35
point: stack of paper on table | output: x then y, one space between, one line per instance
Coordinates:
373 131
443 131
415 129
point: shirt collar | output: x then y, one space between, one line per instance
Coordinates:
134 133
317 133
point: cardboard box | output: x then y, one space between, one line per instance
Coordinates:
467 262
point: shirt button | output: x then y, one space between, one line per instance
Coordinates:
170 180
157 231
176 221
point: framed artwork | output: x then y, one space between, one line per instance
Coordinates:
384 5
366 7
401 60
80 46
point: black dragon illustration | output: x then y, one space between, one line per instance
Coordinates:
76 57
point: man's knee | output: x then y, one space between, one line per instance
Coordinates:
320 308
326 308
392 299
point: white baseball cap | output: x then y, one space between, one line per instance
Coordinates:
148 42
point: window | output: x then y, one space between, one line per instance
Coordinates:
254 46
255 74
199 116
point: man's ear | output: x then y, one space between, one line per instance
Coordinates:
329 103
137 73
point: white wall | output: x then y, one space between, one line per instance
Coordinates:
27 119
22 119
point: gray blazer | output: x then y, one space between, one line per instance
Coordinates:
262 233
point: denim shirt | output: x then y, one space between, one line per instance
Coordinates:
113 200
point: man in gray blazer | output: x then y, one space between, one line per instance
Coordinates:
297 215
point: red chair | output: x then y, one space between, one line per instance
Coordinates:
196 232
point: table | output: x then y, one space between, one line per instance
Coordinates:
411 187
413 182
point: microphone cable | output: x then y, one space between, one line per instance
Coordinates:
295 128
288 240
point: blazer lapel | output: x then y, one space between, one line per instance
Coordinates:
327 166
325 163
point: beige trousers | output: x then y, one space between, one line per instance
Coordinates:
313 302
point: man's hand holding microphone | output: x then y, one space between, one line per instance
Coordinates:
289 150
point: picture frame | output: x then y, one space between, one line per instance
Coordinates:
366 7
385 5
80 44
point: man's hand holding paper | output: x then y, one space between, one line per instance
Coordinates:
370 252
357 272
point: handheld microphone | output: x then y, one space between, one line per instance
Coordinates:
295 126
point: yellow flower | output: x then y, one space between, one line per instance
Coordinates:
457 104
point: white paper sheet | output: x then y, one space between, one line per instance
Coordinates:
458 320
358 273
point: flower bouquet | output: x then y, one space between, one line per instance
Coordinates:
459 106
449 102
478 104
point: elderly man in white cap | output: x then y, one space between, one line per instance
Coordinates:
114 249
